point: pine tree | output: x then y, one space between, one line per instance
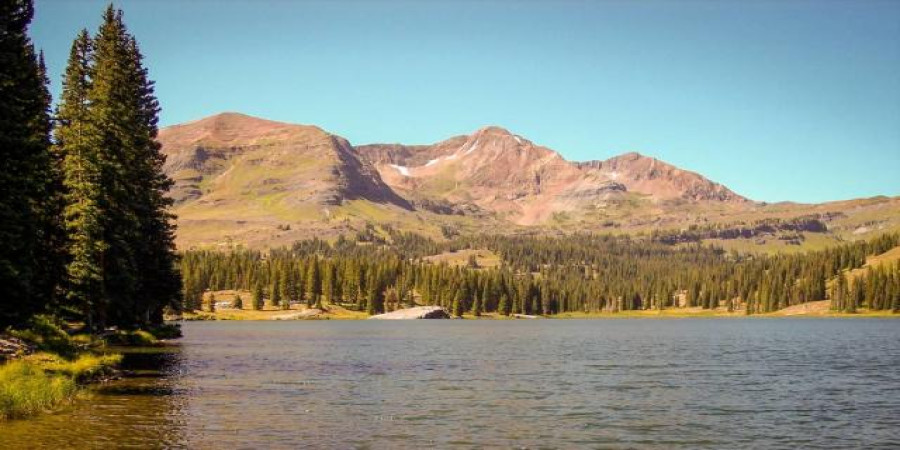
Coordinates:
328 282
257 297
212 302
503 307
77 143
116 203
275 294
284 285
28 179
457 307
159 280
476 306
313 284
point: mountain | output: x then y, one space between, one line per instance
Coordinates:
639 173
230 151
241 179
235 173
491 170
504 173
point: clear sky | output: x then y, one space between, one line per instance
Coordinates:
779 100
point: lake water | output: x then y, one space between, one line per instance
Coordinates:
692 383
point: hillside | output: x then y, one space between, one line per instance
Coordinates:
240 178
245 180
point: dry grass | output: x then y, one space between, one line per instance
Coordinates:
268 312
485 258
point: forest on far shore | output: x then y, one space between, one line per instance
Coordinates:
379 272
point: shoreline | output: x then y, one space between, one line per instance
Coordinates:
338 313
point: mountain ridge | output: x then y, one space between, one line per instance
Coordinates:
244 179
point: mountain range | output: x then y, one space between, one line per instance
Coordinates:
260 183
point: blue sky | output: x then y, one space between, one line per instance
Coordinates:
779 100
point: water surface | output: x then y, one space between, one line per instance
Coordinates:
692 383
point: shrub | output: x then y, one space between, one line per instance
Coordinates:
137 338
167 331
46 334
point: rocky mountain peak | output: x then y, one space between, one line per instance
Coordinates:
661 180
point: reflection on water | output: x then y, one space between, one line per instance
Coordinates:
140 411
743 383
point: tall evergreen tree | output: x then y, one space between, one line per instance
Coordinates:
28 178
117 208
313 284
77 144
257 303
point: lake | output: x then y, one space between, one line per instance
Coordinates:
635 383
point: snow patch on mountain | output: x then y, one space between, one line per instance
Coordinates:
402 169
472 147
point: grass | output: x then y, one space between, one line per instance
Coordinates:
51 377
485 258
26 389
271 313
44 381
84 368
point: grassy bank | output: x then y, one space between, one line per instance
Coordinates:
44 381
26 389
53 365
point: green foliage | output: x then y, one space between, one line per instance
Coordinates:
166 331
257 297
26 389
46 334
121 268
84 368
131 338
549 275
30 260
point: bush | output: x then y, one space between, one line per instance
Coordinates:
26 389
45 333
167 331
137 338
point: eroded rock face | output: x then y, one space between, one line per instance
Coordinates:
663 181
419 312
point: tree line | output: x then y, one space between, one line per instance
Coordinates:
84 228
538 275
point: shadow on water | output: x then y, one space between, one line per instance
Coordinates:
136 390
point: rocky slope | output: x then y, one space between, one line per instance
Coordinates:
213 158
238 177
504 173
662 181
244 180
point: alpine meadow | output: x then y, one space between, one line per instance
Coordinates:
186 260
